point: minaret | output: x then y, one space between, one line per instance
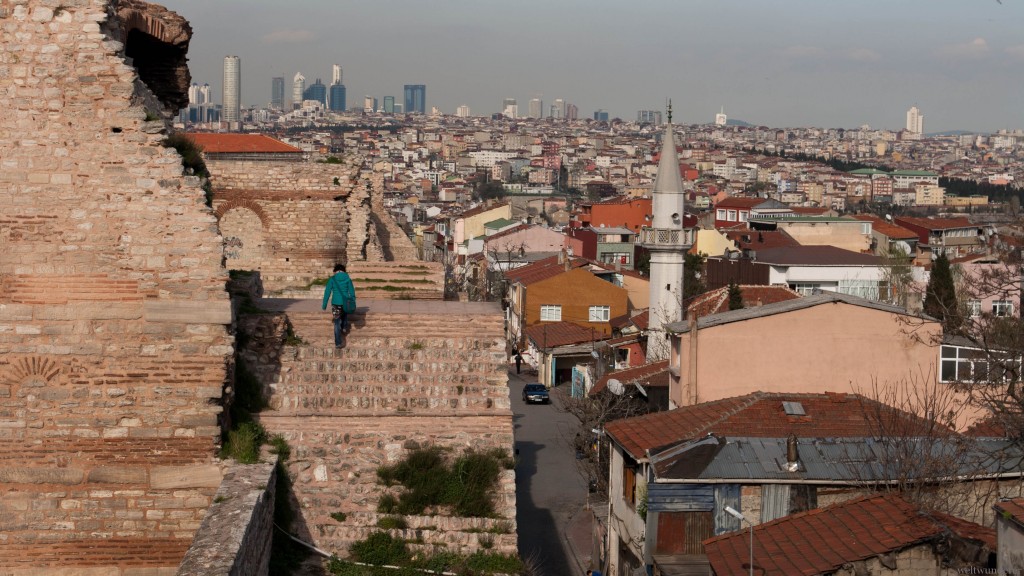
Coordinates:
666 241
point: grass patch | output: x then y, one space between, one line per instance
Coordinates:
381 280
415 345
380 548
339 516
316 282
291 338
220 499
477 564
392 523
191 153
464 485
386 288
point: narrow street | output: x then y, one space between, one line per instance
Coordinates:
549 490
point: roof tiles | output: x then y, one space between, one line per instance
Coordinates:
219 143
820 541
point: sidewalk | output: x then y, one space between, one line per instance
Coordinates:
579 536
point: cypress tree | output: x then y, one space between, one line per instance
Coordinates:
735 296
940 295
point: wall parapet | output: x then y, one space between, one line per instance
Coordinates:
235 536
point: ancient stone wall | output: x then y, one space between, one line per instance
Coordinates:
236 534
283 176
288 220
113 313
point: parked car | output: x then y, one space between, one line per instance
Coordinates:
536 393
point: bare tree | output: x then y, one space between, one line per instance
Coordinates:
917 452
593 412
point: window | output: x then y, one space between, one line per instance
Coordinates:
629 482
974 308
867 289
805 288
600 313
1002 308
551 313
720 214
962 364
732 216
743 215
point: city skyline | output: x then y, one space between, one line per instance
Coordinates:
795 63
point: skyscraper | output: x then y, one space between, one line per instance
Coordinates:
298 88
509 108
571 112
915 120
336 75
536 108
277 92
649 117
369 104
337 98
601 115
316 91
462 111
721 119
415 99
389 104
232 89
557 109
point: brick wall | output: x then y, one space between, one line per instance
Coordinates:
303 177
112 307
288 239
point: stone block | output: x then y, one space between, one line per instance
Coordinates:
199 476
117 475
15 312
187 312
65 476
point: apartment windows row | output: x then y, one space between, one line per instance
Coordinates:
1001 308
964 364
553 313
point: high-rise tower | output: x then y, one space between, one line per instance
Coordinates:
536 108
336 75
232 89
415 99
277 92
666 241
721 119
298 88
915 120
337 97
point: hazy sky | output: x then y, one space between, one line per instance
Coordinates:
825 63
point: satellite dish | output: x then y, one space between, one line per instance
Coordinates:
616 387
888 217
904 246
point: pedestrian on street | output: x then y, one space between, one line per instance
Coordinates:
519 361
340 292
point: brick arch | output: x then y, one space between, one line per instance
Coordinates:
246 204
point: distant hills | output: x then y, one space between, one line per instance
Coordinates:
734 122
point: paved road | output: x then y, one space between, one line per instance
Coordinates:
549 491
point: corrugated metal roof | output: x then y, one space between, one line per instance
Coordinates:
782 308
838 460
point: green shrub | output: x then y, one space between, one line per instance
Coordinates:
392 523
380 548
387 504
191 153
339 516
244 442
280 447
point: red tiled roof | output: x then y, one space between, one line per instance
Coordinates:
759 240
553 334
758 415
1014 507
820 541
655 374
542 270
885 227
642 319
480 210
717 300
218 143
938 223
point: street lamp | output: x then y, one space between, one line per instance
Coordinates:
739 516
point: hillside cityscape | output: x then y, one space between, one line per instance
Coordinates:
350 334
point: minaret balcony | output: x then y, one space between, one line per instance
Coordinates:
667 238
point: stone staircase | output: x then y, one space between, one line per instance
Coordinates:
376 280
412 374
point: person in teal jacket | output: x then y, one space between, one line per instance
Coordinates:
342 295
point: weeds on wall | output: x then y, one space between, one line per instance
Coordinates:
381 549
465 486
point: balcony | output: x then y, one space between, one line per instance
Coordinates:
666 238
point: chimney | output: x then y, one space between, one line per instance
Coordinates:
792 454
